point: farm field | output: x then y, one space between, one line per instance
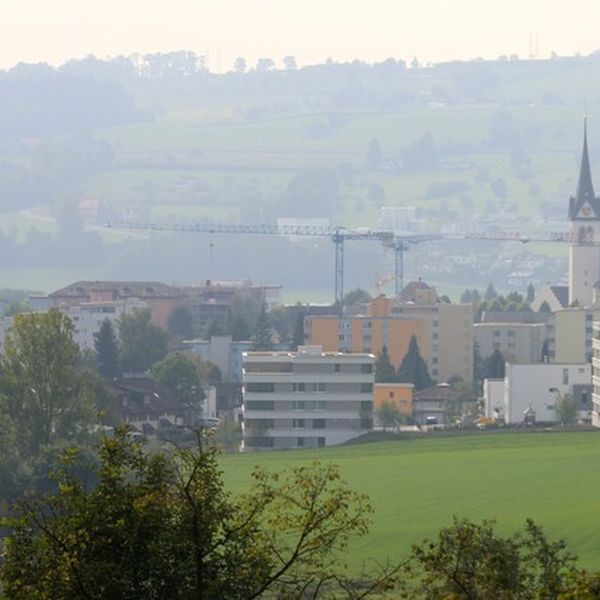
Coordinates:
417 485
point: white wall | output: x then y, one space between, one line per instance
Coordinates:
538 385
493 397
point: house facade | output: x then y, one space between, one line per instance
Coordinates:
306 399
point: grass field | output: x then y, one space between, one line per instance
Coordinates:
417 485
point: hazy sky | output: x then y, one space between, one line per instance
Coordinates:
312 30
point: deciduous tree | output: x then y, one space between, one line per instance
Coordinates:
160 526
141 342
40 388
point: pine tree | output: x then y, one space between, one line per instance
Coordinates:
530 293
105 343
298 337
384 369
413 369
545 308
494 365
490 293
264 335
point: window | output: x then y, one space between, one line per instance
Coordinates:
366 405
298 405
511 334
435 336
260 388
298 424
299 442
320 442
319 387
565 376
435 323
336 368
496 334
299 387
260 405
319 424
366 388
320 405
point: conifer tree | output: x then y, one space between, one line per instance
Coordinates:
413 368
384 369
264 335
105 344
490 293
298 337
494 365
530 293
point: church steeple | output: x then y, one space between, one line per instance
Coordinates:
585 187
584 205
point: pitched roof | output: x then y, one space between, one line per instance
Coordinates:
561 293
584 195
121 289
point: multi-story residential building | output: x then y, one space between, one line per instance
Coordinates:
518 342
450 331
538 386
308 398
443 331
88 317
368 335
596 374
210 303
162 299
570 334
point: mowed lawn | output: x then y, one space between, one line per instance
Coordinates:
417 485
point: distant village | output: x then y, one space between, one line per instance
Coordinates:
312 375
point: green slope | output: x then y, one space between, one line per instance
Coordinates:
416 486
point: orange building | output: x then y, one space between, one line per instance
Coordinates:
399 395
369 334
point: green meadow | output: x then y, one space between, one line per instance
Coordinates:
417 485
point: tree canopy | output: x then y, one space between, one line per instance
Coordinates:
163 526
141 342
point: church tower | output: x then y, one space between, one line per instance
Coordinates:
584 229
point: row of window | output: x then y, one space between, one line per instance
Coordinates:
269 388
365 405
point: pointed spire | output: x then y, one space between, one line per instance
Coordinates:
585 188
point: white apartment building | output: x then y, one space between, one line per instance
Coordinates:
88 317
537 386
596 375
305 399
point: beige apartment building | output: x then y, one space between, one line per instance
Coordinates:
570 334
444 332
518 342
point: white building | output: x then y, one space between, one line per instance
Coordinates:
88 317
308 398
538 386
596 375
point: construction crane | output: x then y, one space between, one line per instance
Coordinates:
338 235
